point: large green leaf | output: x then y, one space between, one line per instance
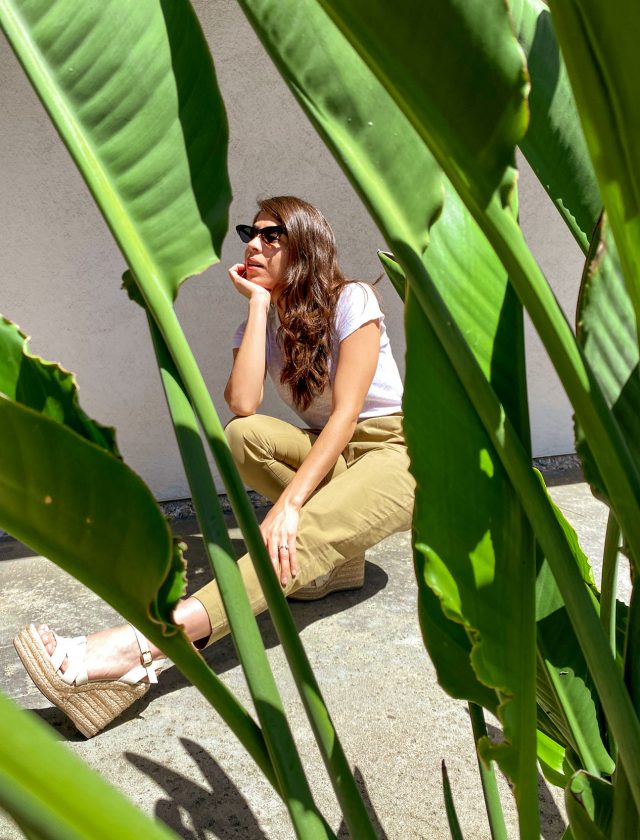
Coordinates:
53 795
468 536
370 138
78 504
45 387
449 647
599 43
419 48
574 709
71 499
484 47
132 91
554 143
606 329
339 93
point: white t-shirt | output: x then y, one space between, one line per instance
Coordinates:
356 306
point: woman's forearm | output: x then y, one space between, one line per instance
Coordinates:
323 455
244 389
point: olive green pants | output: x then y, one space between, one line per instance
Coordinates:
367 496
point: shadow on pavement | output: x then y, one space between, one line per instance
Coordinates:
218 808
191 809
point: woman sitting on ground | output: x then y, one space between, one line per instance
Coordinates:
338 486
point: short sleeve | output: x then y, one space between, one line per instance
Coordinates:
238 335
357 305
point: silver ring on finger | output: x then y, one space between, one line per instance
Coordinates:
283 548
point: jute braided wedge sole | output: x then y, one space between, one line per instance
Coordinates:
91 705
348 576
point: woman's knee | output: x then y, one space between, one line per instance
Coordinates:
235 431
248 438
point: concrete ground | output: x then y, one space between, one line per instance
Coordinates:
173 757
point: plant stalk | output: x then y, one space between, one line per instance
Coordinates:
292 782
610 580
492 802
342 779
449 804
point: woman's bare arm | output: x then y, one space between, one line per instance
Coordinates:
357 362
245 387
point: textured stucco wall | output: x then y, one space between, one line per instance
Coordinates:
61 270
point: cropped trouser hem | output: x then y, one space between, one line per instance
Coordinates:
365 497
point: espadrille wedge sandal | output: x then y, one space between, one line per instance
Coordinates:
348 576
90 705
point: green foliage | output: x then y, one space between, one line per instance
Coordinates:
156 165
602 60
554 144
589 801
423 109
52 795
131 88
607 330
71 498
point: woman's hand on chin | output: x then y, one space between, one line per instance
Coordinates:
279 529
246 287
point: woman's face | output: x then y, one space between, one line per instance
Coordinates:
266 263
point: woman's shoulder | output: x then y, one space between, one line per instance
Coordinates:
356 293
357 304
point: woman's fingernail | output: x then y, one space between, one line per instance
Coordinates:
284 581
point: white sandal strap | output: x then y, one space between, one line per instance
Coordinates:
147 664
59 653
73 651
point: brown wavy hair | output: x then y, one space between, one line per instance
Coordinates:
310 289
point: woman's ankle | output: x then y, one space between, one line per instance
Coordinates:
192 615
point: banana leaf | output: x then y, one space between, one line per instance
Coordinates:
132 90
460 36
606 329
599 46
554 144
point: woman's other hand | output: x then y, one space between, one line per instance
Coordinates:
279 529
246 287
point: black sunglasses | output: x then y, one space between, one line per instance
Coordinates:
269 234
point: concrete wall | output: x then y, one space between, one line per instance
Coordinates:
61 270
